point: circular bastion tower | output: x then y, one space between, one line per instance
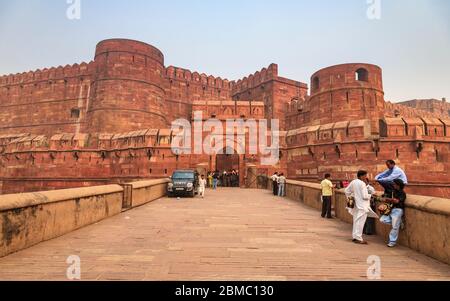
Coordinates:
127 90
347 92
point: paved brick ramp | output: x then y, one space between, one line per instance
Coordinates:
232 234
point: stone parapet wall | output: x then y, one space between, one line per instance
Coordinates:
30 218
147 191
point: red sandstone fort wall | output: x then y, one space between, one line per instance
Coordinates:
35 163
420 146
55 122
273 90
396 109
127 87
45 101
183 87
439 108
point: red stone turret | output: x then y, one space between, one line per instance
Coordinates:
127 87
347 92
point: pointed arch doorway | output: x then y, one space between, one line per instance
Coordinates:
227 161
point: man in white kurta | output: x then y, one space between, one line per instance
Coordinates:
358 189
202 186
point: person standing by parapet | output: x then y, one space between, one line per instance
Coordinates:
369 227
327 193
281 185
394 217
275 183
202 187
361 209
386 178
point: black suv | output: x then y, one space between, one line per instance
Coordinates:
183 183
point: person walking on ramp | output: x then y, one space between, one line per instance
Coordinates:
202 187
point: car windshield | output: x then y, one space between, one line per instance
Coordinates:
183 175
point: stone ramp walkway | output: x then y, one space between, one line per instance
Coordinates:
232 234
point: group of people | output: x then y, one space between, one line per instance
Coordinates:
224 179
362 201
230 178
215 178
279 184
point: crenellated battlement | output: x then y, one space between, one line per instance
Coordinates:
180 74
431 129
147 138
255 79
60 72
439 107
395 110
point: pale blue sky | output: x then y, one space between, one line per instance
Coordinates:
233 38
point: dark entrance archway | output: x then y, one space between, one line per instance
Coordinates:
228 161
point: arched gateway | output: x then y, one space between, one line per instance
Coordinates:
228 160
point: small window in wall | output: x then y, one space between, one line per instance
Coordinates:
362 75
75 113
316 83
426 130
